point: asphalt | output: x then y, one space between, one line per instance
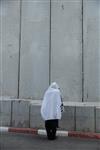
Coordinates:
12 141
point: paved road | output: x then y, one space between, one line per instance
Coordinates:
11 141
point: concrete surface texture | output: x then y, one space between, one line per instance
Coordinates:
85 118
91 30
5 113
30 142
66 47
9 47
98 118
22 113
47 40
34 54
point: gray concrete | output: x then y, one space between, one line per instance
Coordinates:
35 117
34 67
91 19
20 113
66 47
30 142
68 118
26 113
97 119
5 113
85 119
9 47
44 58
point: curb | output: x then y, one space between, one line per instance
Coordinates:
33 131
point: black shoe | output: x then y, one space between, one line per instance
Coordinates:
52 138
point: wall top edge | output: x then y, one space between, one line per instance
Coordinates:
38 102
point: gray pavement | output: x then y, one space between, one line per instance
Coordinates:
12 141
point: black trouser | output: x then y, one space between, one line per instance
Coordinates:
51 128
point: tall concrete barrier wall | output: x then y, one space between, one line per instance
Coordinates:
91 34
66 47
34 52
9 47
50 40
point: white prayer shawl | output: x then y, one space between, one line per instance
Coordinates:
51 105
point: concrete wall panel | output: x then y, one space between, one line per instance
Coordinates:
97 119
34 69
9 47
35 117
20 113
85 119
91 32
68 118
66 47
5 113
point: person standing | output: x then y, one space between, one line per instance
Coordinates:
51 110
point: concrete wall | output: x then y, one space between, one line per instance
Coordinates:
9 46
77 116
50 41
20 113
5 113
91 18
98 119
34 64
66 47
